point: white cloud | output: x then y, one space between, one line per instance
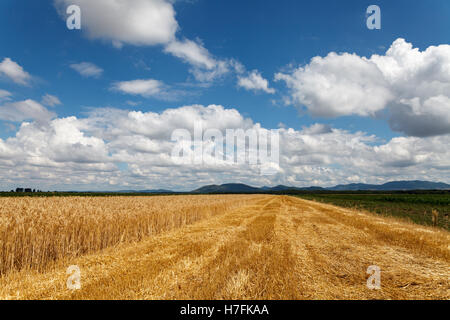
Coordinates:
150 88
317 128
8 151
254 81
205 67
208 75
57 152
137 22
50 100
14 71
87 69
84 153
413 85
145 88
160 126
147 23
68 143
338 85
416 154
5 95
192 52
25 110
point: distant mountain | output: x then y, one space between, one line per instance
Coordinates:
146 191
285 188
393 186
390 186
243 188
416 185
355 187
228 188
312 189
282 188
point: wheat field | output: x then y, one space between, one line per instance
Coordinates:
236 247
37 231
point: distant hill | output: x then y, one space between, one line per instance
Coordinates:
243 188
228 188
146 191
393 186
285 188
390 186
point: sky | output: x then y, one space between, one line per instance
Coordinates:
96 108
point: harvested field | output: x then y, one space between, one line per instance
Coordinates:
258 247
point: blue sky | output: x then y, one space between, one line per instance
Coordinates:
271 37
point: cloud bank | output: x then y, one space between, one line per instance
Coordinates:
113 149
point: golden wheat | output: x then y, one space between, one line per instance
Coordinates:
37 231
270 247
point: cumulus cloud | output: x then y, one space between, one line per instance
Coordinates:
412 85
50 100
254 81
137 22
338 85
416 154
160 126
14 72
25 110
86 153
67 142
87 69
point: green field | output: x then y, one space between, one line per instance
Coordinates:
413 207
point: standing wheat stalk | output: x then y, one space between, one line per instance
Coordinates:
435 217
37 231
